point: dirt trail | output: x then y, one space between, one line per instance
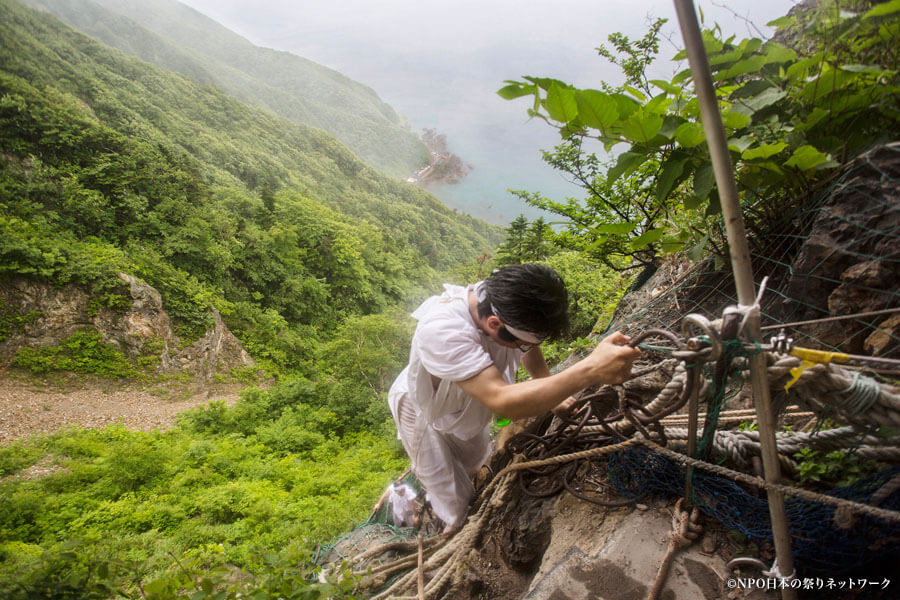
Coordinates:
29 406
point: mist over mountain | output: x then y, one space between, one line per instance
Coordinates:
110 164
439 64
176 37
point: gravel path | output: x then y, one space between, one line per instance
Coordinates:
29 406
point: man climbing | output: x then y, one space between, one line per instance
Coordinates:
403 505
467 347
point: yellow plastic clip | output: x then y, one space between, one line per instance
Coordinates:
810 358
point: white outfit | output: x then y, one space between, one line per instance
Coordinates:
403 505
444 430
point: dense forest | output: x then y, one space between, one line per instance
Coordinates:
177 38
109 164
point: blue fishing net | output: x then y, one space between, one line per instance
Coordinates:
821 543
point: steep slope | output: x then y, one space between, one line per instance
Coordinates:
178 38
109 164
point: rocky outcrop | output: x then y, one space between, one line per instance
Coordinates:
40 314
849 262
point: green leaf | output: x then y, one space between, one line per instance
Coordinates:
681 76
874 69
765 98
887 8
735 120
658 105
157 587
797 72
515 90
596 109
560 103
704 178
670 125
690 135
697 250
828 81
814 117
667 87
626 164
669 175
742 67
545 82
625 105
206 585
614 228
807 157
763 151
740 144
647 238
641 127
635 92
782 22
776 53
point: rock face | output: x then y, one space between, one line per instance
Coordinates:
42 315
849 262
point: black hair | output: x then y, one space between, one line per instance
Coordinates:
531 297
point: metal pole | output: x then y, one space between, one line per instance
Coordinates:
693 410
743 275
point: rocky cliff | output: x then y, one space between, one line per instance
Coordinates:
35 314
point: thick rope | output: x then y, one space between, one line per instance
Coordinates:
740 446
859 400
685 530
826 386
856 507
452 554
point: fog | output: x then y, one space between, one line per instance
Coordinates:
439 64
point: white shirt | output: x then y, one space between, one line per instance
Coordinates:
449 345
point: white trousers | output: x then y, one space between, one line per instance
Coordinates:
443 463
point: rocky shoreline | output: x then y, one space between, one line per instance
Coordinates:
445 166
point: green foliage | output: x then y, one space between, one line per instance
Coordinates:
114 302
179 39
16 456
594 291
82 352
525 242
834 468
10 322
165 511
789 118
57 575
112 166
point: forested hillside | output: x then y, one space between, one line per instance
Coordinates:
110 164
177 38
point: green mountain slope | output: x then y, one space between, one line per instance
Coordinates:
178 38
108 164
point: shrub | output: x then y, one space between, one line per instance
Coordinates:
82 352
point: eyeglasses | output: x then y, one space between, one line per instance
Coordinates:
504 334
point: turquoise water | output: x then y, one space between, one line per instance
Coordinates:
439 65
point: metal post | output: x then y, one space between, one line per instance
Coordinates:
743 274
693 410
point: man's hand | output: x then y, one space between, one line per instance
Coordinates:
610 362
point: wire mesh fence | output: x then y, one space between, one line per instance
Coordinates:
835 255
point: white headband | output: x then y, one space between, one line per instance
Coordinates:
525 336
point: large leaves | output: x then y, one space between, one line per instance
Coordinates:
596 109
785 116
